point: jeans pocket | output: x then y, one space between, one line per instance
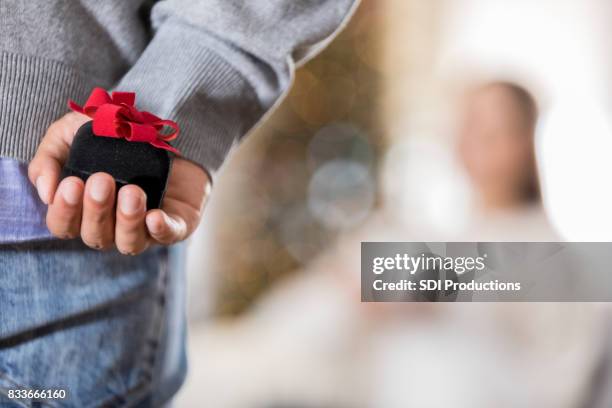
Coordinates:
82 321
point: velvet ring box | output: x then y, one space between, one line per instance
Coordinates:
123 142
128 163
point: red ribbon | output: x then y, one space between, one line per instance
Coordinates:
115 116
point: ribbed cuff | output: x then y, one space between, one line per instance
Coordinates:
33 93
181 77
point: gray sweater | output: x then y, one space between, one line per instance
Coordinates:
214 66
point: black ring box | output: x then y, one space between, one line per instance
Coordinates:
136 163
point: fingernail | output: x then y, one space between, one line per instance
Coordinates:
129 202
43 189
100 190
71 192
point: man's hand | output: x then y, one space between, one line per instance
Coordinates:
88 209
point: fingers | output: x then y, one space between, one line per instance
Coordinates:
88 210
187 190
130 230
64 215
44 172
98 222
166 229
45 167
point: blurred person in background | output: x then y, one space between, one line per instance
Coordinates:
496 147
311 341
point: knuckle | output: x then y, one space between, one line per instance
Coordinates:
126 247
54 127
167 240
124 251
91 244
62 230
97 241
98 245
162 236
63 234
131 250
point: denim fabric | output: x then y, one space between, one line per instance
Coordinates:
171 366
22 214
95 324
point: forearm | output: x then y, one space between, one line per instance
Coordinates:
217 66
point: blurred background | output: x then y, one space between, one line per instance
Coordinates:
438 120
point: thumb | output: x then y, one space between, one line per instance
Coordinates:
166 229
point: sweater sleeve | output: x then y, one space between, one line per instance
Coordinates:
217 66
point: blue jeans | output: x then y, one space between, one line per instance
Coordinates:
106 329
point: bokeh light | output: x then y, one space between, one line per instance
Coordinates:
341 194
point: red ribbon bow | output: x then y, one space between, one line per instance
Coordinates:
115 116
